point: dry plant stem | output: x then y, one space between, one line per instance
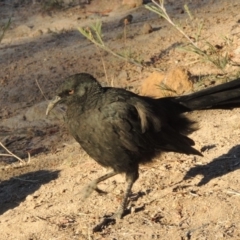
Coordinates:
116 54
125 33
40 89
5 28
125 36
5 155
165 16
93 34
99 42
11 154
103 63
231 191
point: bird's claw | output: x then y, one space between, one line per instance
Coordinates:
109 220
104 223
100 191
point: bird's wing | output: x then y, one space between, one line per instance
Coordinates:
130 123
140 130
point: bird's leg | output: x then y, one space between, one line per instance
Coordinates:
93 185
131 177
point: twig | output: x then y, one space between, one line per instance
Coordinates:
5 29
103 63
94 35
6 155
215 57
41 90
231 191
13 155
163 13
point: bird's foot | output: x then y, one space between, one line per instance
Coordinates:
110 220
100 191
104 223
86 192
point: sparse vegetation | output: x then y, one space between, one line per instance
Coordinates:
207 53
10 154
212 54
166 90
159 9
94 34
4 28
49 5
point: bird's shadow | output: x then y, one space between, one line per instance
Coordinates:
15 190
220 166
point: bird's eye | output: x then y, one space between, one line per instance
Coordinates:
71 92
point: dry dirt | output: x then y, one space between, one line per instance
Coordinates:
176 196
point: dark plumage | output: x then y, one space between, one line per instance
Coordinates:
120 129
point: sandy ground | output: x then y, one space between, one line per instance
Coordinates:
176 196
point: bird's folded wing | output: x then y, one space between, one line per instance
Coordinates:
138 130
130 123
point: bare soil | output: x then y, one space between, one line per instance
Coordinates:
176 196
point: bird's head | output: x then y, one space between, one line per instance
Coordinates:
75 87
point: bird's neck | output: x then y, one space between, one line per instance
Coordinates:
88 101
92 100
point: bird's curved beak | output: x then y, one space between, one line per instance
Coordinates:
52 104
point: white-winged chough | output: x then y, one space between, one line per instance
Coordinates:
120 129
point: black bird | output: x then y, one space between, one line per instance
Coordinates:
120 129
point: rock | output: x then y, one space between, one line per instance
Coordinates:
22 31
235 56
37 33
123 75
174 82
147 28
104 6
132 3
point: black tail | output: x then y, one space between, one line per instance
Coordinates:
223 96
176 126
